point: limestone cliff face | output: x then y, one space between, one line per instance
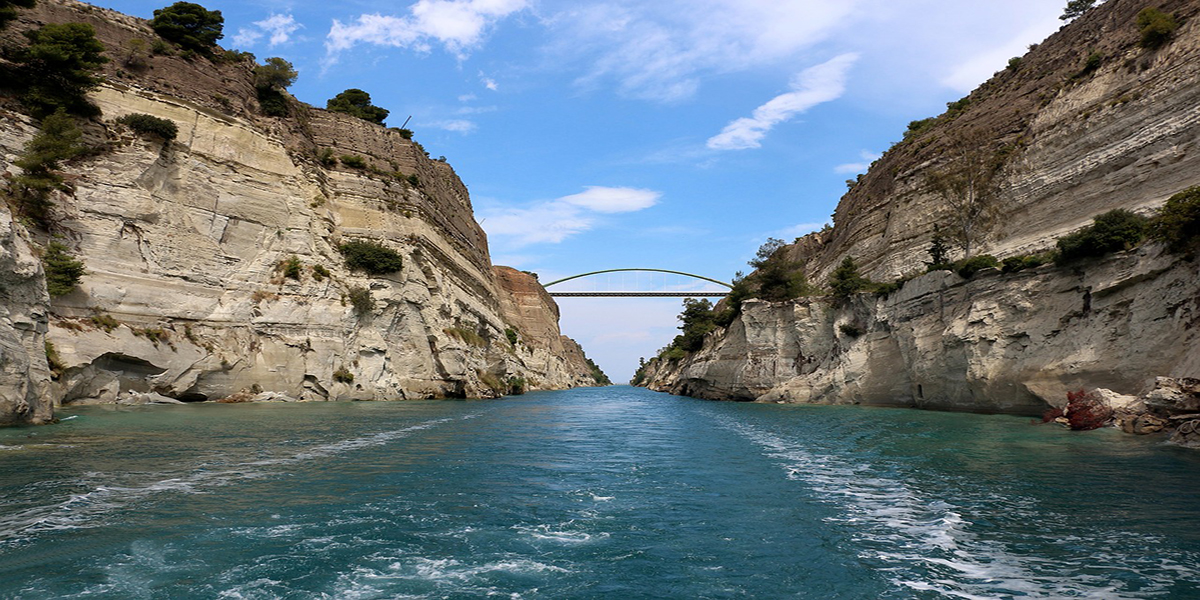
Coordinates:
1126 135
183 243
1014 343
24 372
1079 142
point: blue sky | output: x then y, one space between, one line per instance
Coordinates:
672 134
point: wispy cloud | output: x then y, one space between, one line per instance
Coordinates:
813 86
969 73
278 27
458 25
662 50
455 125
867 156
554 221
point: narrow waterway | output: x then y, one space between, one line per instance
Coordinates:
613 492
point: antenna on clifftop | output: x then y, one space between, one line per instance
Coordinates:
406 121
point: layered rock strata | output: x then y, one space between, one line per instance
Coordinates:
185 243
1088 121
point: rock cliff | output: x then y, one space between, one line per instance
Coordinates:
184 242
1088 121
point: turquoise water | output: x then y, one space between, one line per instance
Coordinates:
614 492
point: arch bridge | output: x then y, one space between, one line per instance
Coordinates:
627 291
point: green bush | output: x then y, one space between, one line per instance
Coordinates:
190 25
1155 26
1014 264
673 354
361 300
968 267
58 140
164 129
353 161
320 273
272 102
414 180
1112 231
1014 63
59 67
511 334
343 375
845 280
1178 222
1075 8
357 103
326 158
371 257
8 10
291 267
516 385
63 271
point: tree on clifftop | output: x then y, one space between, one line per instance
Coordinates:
357 103
59 67
189 25
1075 8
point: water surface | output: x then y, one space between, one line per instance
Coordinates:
613 492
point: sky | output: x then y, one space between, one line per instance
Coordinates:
675 134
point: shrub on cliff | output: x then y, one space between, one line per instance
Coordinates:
597 373
356 102
845 281
63 271
371 257
1155 26
1014 264
1112 231
59 67
8 10
697 319
270 80
58 140
164 129
189 25
353 161
360 299
968 267
1178 222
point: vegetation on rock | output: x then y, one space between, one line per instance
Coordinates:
59 67
190 25
1112 231
361 300
597 373
845 280
353 161
1076 8
371 257
291 267
164 129
343 375
969 184
1178 222
270 81
63 271
356 102
58 140
1155 26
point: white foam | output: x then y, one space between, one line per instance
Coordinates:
929 545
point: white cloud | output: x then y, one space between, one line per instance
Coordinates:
466 97
613 200
279 27
490 84
554 221
456 125
459 25
867 156
813 86
661 50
